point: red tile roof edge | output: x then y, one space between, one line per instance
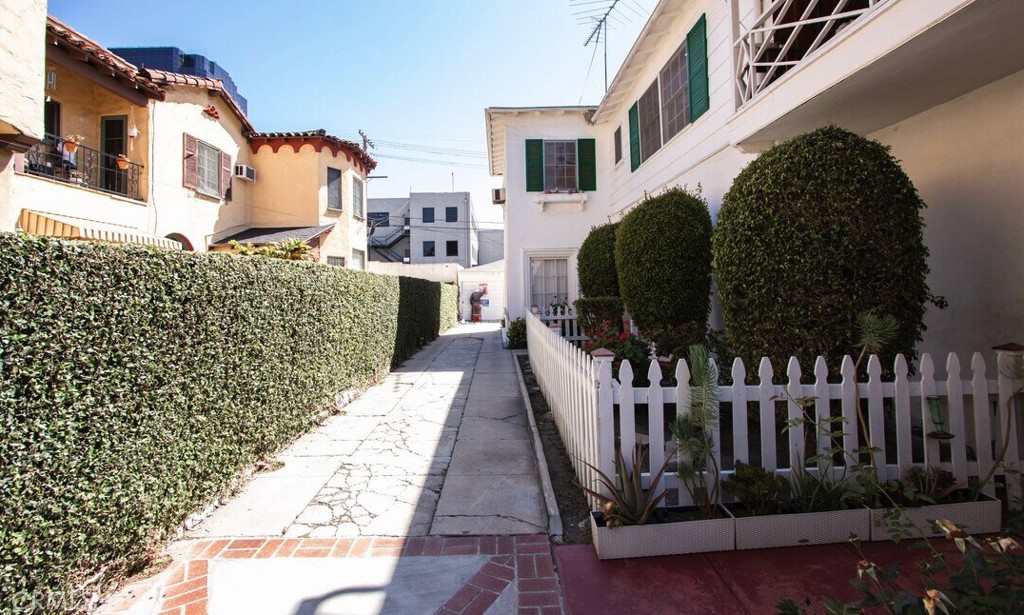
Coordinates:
320 136
63 33
216 86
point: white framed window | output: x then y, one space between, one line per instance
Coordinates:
548 281
675 94
357 197
336 261
358 259
560 165
208 170
333 189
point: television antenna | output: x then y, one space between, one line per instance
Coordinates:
600 14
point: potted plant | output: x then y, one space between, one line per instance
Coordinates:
926 494
630 524
71 142
122 161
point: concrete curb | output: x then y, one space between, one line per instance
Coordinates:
550 502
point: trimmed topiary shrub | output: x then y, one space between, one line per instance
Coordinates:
663 256
517 334
135 384
812 233
595 262
593 312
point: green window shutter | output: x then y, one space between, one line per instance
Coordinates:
586 157
697 52
535 165
634 137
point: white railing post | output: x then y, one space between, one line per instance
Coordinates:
605 414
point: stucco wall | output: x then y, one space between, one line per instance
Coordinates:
181 210
439 231
967 160
492 245
22 66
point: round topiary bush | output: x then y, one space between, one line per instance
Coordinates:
595 262
812 233
663 255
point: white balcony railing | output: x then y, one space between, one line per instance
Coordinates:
787 32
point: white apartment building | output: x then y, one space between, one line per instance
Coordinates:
426 228
711 83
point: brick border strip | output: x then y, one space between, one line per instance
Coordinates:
525 559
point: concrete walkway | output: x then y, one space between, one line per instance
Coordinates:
423 496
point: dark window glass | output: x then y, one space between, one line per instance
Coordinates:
650 122
451 214
333 189
428 248
428 215
451 248
618 144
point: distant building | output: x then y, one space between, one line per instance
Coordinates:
174 60
427 227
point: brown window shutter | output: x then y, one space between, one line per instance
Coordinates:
190 172
225 176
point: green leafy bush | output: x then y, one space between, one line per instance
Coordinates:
814 232
663 256
595 262
593 312
517 333
135 384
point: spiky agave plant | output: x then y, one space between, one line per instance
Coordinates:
629 503
696 464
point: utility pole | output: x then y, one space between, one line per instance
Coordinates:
368 144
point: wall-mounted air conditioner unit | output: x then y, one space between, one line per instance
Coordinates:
244 171
498 196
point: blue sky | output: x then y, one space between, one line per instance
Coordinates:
412 74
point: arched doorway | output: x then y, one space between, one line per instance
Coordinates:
181 239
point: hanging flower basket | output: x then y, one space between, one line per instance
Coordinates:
122 162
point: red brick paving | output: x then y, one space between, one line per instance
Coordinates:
524 560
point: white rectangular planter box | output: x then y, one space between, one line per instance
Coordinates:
798 529
982 517
652 539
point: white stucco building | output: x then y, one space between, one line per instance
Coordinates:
711 83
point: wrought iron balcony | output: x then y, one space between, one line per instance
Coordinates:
787 32
86 167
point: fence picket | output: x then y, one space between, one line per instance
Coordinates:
848 396
876 416
766 412
682 408
931 445
982 419
740 443
656 421
904 439
956 423
798 429
822 405
627 410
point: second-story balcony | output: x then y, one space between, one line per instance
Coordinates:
85 167
863 64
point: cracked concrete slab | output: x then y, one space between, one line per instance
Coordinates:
492 457
494 385
509 504
266 507
486 428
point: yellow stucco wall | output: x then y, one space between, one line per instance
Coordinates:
291 190
180 210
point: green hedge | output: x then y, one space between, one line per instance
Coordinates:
592 312
595 262
135 384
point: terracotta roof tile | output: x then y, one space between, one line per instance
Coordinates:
167 78
318 136
69 39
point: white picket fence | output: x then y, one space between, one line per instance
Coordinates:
562 319
584 398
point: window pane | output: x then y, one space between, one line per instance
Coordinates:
333 188
675 94
357 196
549 282
428 248
209 170
650 122
618 144
451 248
560 165
358 259
451 214
428 215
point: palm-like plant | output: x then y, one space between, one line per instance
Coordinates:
629 503
697 466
